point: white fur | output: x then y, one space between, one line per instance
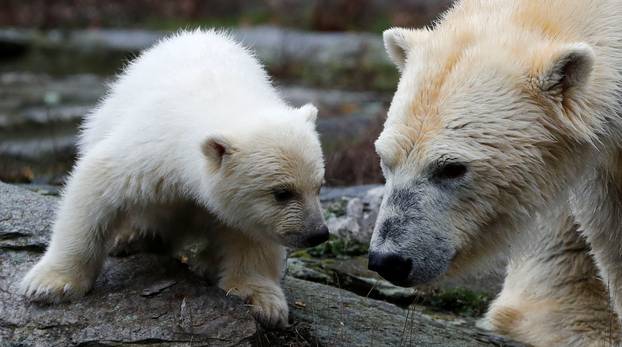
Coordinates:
526 94
193 119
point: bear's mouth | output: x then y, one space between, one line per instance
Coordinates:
304 240
474 253
409 269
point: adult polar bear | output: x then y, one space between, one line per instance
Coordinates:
192 133
506 119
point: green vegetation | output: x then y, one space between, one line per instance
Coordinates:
333 248
336 208
248 18
459 301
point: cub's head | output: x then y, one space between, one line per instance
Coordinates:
268 177
479 135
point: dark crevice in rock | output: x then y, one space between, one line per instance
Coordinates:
298 335
10 235
60 326
156 342
25 248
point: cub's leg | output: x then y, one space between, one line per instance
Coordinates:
87 213
552 295
252 268
597 205
149 228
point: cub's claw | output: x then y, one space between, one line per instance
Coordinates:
45 284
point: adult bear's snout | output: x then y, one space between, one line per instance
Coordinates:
392 267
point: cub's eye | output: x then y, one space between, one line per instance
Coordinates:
449 171
283 194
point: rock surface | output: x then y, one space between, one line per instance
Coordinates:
146 299
352 212
328 59
40 114
50 79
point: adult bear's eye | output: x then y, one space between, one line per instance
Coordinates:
283 194
449 171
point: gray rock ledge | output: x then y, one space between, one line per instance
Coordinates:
145 299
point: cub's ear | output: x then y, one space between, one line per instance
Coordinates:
309 112
568 67
216 148
399 41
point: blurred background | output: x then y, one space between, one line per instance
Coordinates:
56 57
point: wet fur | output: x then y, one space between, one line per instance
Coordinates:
527 95
194 121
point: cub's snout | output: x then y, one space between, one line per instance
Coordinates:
317 237
308 237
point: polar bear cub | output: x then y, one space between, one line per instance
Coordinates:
193 119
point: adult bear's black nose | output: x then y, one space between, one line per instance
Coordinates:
394 268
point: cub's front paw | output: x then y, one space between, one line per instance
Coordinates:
44 283
267 301
269 307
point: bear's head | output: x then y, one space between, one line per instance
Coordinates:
267 177
480 134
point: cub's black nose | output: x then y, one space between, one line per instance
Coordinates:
394 268
318 237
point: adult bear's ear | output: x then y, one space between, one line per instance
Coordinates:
217 148
564 69
399 41
309 112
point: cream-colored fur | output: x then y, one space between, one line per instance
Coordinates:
192 133
552 295
504 110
